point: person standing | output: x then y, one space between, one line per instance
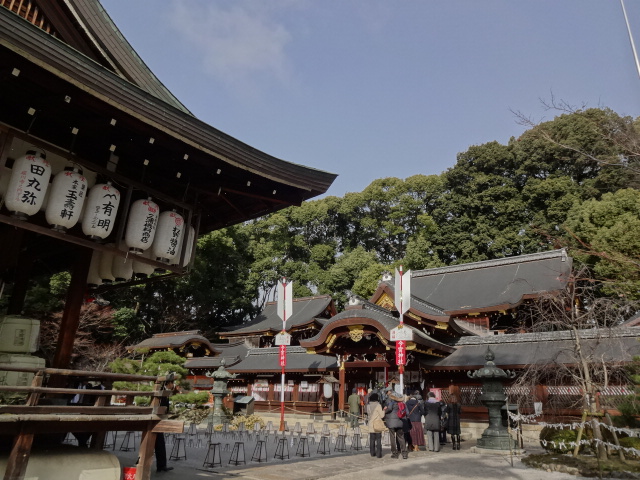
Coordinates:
443 422
394 424
453 423
432 412
374 411
415 411
354 408
160 448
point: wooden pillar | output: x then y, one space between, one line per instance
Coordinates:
294 394
11 249
19 456
270 393
341 377
71 313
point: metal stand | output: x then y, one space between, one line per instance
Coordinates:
280 449
235 454
178 446
127 441
260 452
356 441
303 448
324 447
214 452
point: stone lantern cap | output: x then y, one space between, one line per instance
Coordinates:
490 370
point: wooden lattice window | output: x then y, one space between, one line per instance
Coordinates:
470 396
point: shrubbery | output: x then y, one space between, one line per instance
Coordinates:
558 436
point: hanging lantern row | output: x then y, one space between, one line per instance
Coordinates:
153 234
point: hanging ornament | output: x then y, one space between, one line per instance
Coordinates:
100 211
168 235
28 184
141 225
143 269
93 278
66 197
106 264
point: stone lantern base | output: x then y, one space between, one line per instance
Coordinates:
496 441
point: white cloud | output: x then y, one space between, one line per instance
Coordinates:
240 46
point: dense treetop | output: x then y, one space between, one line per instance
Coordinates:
571 181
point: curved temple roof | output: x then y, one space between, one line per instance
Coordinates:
122 109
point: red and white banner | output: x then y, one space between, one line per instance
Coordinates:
283 355
401 352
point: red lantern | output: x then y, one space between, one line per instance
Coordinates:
28 184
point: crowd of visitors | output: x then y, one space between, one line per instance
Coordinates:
409 418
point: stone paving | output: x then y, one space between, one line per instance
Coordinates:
336 465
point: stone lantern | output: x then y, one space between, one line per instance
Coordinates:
496 436
220 379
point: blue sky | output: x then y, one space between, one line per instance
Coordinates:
370 88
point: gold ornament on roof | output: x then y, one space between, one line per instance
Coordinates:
356 332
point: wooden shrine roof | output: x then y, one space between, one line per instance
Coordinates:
307 310
175 340
486 286
518 350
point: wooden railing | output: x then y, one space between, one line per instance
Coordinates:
40 414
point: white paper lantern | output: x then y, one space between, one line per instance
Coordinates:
94 278
141 225
140 268
122 268
106 263
100 211
168 234
327 390
28 184
66 197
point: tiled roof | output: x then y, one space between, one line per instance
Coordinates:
499 283
174 340
617 345
268 360
305 310
383 317
616 332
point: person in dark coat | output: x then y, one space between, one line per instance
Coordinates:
415 411
160 448
432 412
394 424
453 423
443 422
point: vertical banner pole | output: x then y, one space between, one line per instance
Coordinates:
285 306
403 302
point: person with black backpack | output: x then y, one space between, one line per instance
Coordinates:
394 411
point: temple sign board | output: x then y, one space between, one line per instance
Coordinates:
283 338
401 333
